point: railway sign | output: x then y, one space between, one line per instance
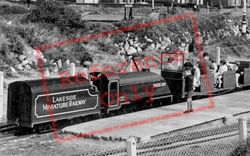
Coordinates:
65 103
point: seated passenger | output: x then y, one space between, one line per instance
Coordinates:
239 73
222 69
208 65
169 65
214 65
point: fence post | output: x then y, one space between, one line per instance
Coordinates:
131 147
1 96
243 129
218 56
72 69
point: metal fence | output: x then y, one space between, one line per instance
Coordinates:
229 140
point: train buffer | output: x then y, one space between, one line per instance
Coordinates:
156 121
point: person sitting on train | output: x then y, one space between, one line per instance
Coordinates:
169 65
214 65
222 69
239 73
208 65
197 75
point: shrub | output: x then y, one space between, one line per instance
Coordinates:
7 8
54 12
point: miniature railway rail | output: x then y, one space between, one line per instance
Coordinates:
7 128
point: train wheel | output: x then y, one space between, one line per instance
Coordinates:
40 128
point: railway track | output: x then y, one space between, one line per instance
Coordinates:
6 128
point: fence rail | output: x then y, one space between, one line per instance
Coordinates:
225 140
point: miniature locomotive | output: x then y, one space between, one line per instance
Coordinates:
32 105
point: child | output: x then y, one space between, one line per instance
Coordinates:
222 69
189 80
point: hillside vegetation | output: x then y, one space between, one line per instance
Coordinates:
21 31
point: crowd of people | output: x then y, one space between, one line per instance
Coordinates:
193 69
208 65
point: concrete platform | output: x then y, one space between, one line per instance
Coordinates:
152 122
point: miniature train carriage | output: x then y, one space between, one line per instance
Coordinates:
118 89
30 103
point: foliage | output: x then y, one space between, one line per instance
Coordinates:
54 12
7 8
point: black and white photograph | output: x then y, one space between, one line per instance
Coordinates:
124 78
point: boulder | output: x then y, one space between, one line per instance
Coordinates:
136 44
167 40
126 46
136 39
12 69
139 49
25 62
59 63
20 67
131 50
55 69
148 39
22 57
67 63
160 39
131 42
151 46
120 44
158 46
28 67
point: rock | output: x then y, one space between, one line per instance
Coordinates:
151 46
148 39
22 57
139 49
126 46
55 69
131 42
168 40
131 50
59 63
13 70
9 23
20 67
67 63
120 44
28 67
160 39
44 60
143 45
158 46
25 62
136 45
136 39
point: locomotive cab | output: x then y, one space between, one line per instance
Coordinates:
172 72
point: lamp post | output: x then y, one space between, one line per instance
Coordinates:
244 19
153 4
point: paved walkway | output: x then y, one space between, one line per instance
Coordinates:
152 122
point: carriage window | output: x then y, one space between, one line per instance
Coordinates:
172 61
113 86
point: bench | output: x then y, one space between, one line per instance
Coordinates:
246 76
204 79
229 79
